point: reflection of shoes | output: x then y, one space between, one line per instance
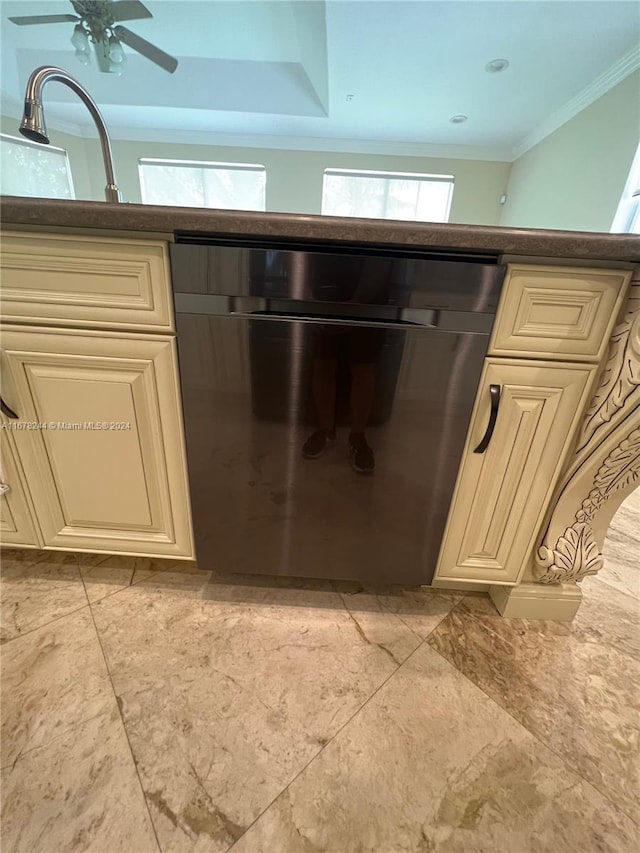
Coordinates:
362 459
317 443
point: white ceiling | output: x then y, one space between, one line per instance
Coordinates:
280 70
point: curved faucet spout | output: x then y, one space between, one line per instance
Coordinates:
33 127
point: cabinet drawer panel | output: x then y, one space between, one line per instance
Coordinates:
17 528
107 452
85 281
558 311
501 494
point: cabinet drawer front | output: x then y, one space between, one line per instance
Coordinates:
85 281
501 494
566 312
17 527
106 448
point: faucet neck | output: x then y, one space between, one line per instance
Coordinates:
34 118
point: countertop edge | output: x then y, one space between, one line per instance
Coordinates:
16 211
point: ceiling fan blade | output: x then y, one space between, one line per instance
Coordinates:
43 19
129 10
150 51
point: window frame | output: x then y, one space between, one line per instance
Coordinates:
28 143
201 164
421 177
628 210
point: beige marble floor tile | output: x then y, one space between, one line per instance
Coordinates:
576 685
431 764
79 792
227 691
104 574
37 587
52 679
420 609
622 550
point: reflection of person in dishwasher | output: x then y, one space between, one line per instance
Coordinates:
361 345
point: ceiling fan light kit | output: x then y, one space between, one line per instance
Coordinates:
97 22
80 39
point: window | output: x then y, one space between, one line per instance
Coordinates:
30 169
193 183
627 218
387 195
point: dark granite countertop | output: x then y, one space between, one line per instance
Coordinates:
295 227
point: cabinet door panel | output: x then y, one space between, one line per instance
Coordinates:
107 458
501 493
17 527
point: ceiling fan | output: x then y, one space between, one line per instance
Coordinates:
96 21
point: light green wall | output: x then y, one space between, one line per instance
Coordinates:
574 178
294 178
571 180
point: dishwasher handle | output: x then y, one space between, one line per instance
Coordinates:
328 320
494 391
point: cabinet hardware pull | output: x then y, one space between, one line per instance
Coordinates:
494 391
7 411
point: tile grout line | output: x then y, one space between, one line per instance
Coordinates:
124 728
124 586
552 749
537 737
44 625
331 739
362 633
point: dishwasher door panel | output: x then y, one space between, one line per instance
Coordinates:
250 388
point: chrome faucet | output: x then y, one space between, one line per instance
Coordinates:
33 127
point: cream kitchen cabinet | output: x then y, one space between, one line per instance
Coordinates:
17 525
79 281
555 312
99 438
502 491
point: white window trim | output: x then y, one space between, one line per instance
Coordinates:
629 206
202 164
370 173
27 143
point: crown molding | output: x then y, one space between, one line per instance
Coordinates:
615 74
310 143
211 138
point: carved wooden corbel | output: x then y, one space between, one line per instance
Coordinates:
605 466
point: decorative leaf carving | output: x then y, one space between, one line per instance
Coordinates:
576 555
620 378
621 464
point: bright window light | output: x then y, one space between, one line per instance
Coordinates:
627 218
30 169
387 195
193 183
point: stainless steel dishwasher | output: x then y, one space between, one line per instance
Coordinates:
327 393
